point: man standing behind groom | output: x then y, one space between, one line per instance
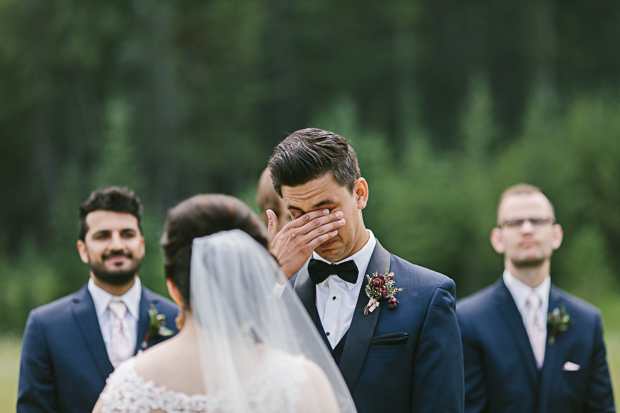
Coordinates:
72 345
396 354
529 346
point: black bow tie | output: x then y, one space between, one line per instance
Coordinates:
320 270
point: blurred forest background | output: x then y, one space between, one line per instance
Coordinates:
446 102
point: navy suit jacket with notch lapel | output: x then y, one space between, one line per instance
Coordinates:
423 375
500 368
64 362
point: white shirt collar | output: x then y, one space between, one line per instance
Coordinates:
361 258
521 292
131 298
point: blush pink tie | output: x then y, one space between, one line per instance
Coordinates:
536 329
121 347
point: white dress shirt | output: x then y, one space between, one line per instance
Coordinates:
102 299
336 299
521 292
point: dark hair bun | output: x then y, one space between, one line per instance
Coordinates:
199 216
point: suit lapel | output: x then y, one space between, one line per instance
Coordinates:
306 290
362 327
514 321
146 299
552 359
85 315
319 326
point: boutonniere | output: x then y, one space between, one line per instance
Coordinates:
157 327
558 321
381 287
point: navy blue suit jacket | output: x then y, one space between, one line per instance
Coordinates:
500 368
64 363
423 375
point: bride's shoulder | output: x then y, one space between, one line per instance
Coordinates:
318 388
295 371
128 391
298 365
125 372
125 382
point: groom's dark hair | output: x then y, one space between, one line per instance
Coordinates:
308 154
113 199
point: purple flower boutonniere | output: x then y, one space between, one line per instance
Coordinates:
157 327
381 287
558 321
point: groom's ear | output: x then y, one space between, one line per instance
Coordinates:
81 246
360 190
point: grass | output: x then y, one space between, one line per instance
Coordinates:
10 352
10 348
610 308
613 358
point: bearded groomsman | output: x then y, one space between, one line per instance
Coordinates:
72 345
399 351
529 346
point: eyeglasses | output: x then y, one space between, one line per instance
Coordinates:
536 222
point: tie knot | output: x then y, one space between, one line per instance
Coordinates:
533 301
118 308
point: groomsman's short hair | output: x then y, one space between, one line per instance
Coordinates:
308 154
113 199
522 189
266 196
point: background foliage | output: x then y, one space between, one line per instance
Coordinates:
446 104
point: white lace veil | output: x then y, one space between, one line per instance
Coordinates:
256 345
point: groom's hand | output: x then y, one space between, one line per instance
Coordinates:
293 245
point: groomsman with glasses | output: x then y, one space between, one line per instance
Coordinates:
527 345
72 345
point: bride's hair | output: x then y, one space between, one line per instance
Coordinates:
196 217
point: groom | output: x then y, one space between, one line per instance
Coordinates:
515 359
403 356
72 345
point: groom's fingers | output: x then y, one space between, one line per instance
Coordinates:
308 219
322 233
322 238
293 245
272 224
323 224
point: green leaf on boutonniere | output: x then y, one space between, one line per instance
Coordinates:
157 327
558 321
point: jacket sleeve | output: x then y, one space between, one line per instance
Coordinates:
476 397
600 398
37 387
438 360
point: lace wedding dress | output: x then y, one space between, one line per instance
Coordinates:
275 386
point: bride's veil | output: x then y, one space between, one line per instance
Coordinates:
251 337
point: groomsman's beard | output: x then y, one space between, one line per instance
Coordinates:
116 277
529 262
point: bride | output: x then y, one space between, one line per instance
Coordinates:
243 347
